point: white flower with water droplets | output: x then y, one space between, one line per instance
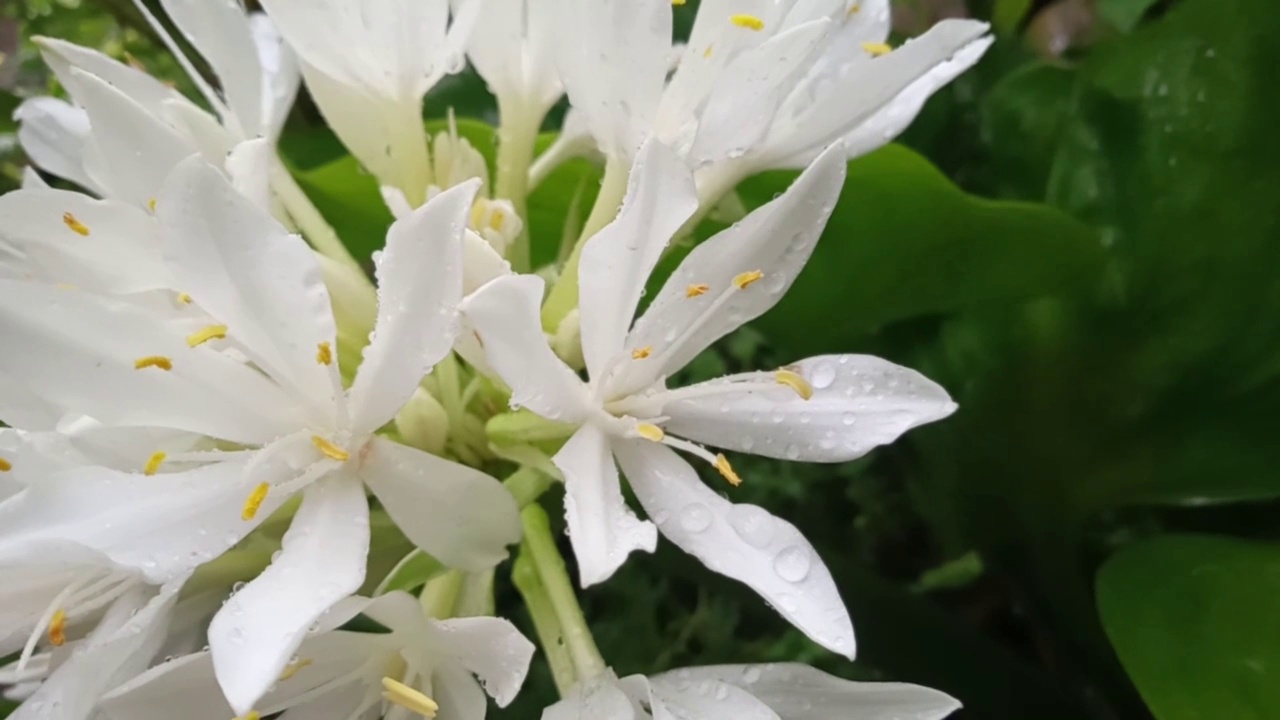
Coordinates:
823 409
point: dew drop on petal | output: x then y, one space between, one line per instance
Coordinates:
752 524
822 376
792 564
751 675
695 517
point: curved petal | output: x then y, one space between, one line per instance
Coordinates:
458 694
743 542
81 351
616 262
246 271
859 402
492 649
322 561
774 240
249 167
52 134
602 529
419 288
708 697
514 53
462 517
23 408
598 698
505 317
281 76
219 30
799 692
62 56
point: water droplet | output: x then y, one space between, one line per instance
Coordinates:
793 563
822 376
751 674
793 451
752 524
722 691
695 517
748 442
849 418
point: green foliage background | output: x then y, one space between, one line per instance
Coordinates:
1083 249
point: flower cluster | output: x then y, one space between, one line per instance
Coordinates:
222 435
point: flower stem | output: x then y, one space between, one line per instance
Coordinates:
564 295
541 549
527 484
525 576
516 138
440 595
307 217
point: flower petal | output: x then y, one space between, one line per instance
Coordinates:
602 529
419 288
52 134
859 402
80 351
249 167
62 56
492 649
219 30
280 73
797 691
617 261
505 317
708 697
322 561
775 240
597 698
514 53
20 407
461 516
743 542
245 270
457 693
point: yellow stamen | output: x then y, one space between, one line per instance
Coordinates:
204 335
795 382
155 361
151 205
875 49
477 213
677 2
251 715
642 353
696 290
292 669
74 223
496 220
5 465
707 53
184 298
750 22
329 450
253 503
853 9
397 693
58 628
153 463
324 353
746 278
650 432
722 464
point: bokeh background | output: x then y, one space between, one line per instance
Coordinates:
1080 239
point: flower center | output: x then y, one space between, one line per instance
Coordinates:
397 693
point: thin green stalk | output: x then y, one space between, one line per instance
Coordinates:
527 484
307 217
440 595
545 622
516 138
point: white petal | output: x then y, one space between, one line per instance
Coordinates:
120 253
20 407
249 167
602 529
280 73
598 699
743 542
480 263
419 288
457 693
61 56
322 561
514 53
461 516
858 403
219 30
776 240
492 649
799 692
505 317
245 270
707 698
52 134
617 261
79 351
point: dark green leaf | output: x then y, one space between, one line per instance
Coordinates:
1124 15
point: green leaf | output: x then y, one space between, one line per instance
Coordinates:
1124 15
904 242
1193 618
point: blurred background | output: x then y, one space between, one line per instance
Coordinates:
1080 240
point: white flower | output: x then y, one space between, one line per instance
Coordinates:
300 430
128 130
759 85
513 49
823 409
421 664
785 691
368 64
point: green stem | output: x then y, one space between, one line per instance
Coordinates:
314 227
516 138
564 295
440 596
525 577
541 548
528 484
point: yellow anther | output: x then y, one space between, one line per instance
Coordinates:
251 715
74 223
677 2
795 382
292 669
853 9
477 213
151 204
329 450
650 432
253 503
742 281
66 286
184 298
642 353
153 463
397 693
750 22
5 465
155 361
324 353
696 290
58 628
204 335
722 464
876 49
